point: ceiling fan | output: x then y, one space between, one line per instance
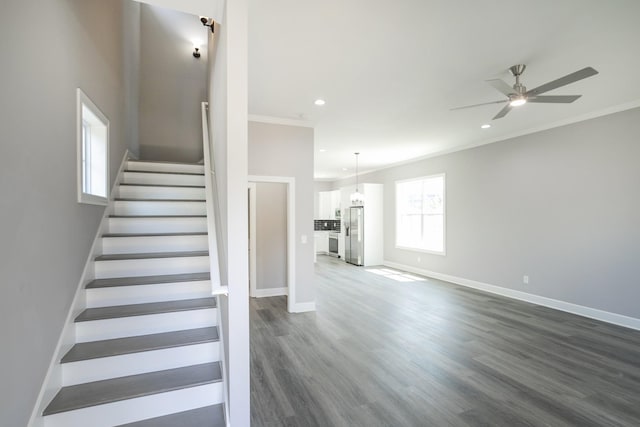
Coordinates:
519 95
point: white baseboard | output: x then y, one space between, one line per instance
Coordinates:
303 307
271 292
580 310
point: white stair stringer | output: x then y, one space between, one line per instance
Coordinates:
151 291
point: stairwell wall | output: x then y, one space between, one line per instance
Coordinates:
49 49
172 85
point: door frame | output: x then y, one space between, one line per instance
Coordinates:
291 236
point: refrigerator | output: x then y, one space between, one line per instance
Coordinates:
354 235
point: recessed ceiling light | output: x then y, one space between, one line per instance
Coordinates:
322 150
485 126
319 102
344 169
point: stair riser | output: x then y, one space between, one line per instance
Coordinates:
122 295
122 327
140 408
139 363
175 193
164 167
149 244
159 208
157 225
151 267
161 179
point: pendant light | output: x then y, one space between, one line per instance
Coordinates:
357 198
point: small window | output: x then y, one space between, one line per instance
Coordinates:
420 214
93 152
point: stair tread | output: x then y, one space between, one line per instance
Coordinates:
149 255
129 387
208 416
194 233
158 200
138 344
124 184
130 310
166 173
147 280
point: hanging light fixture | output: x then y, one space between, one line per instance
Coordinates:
357 198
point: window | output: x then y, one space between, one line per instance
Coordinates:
420 214
93 152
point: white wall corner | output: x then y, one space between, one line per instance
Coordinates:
592 313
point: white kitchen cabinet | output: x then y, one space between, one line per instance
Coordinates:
321 242
328 202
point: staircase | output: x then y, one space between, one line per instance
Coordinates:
147 349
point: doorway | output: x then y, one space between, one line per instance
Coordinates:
272 237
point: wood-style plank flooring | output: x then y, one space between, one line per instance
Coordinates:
383 352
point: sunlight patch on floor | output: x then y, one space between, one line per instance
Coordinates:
398 276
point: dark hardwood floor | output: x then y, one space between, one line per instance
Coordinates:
383 352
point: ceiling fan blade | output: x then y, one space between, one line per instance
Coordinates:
501 86
558 99
563 81
477 105
503 112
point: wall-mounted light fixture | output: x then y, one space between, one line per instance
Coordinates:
196 48
207 22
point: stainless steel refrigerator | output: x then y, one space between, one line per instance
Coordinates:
354 235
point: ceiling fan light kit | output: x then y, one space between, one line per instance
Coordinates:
518 94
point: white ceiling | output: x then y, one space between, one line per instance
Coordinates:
391 71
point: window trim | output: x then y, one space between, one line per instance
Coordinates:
444 214
83 100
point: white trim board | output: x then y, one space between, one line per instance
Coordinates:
580 310
271 292
303 307
280 121
291 232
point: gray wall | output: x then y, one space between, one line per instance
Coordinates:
172 85
271 235
279 150
48 49
560 206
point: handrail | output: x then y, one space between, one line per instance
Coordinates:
209 174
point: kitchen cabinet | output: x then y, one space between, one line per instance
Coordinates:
328 202
321 242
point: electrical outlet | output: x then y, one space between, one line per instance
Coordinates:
525 280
